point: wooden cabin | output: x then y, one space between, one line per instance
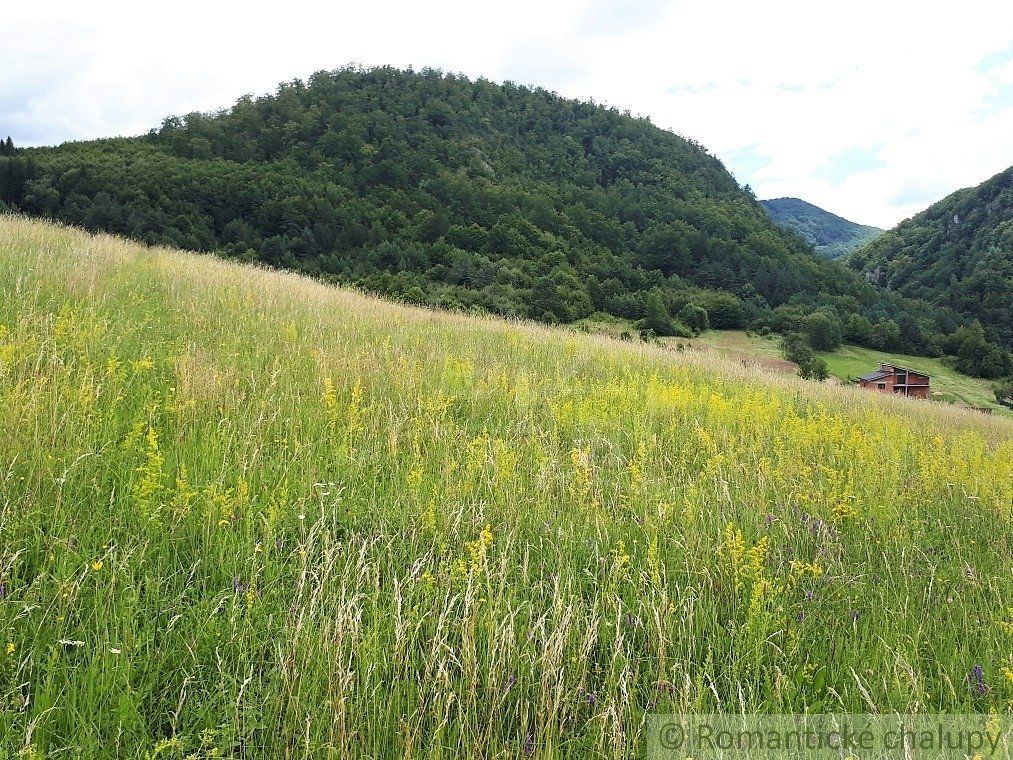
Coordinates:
890 378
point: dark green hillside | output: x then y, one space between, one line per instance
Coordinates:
439 190
436 188
957 253
831 235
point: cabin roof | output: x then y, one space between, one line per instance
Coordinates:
877 375
889 369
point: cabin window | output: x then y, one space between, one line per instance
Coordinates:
881 386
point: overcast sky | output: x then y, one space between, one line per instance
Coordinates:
871 109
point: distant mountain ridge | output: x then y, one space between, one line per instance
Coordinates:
831 235
957 253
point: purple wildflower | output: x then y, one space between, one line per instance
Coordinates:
976 678
820 529
529 745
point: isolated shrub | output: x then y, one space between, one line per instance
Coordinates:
724 310
1003 391
682 330
823 330
695 317
816 369
795 348
656 317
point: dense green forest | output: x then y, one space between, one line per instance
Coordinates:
435 189
831 235
958 252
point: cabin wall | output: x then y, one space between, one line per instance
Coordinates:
918 385
873 385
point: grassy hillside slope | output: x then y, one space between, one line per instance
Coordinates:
848 362
831 235
243 512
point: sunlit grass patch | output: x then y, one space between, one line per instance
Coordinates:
242 512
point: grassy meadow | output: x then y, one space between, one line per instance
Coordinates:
244 514
849 361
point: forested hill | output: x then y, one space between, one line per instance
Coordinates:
439 190
831 235
958 252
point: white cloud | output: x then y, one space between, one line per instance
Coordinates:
794 87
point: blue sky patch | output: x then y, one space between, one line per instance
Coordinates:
854 160
919 195
745 162
692 89
999 100
612 19
996 59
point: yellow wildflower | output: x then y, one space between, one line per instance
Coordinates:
330 399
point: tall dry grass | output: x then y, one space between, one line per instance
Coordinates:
243 514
